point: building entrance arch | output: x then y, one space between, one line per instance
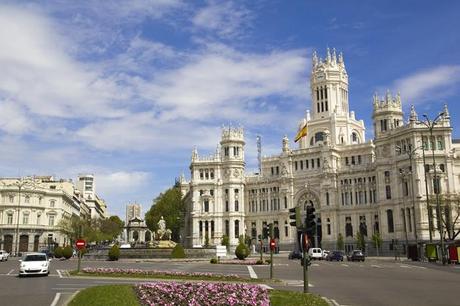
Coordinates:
309 198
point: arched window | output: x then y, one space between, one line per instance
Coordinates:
319 136
354 137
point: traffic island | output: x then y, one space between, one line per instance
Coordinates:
196 293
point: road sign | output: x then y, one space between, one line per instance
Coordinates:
80 244
272 244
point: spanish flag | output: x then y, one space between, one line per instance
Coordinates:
302 132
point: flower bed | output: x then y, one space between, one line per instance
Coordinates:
202 293
159 273
245 262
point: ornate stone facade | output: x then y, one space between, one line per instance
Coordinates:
355 185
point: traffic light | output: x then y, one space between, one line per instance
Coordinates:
310 220
265 232
294 214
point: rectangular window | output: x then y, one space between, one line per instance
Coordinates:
391 228
51 220
313 163
273 171
227 228
346 161
359 159
237 207
388 191
38 219
206 206
25 219
318 163
295 165
301 165
226 205
9 219
306 164
352 160
237 228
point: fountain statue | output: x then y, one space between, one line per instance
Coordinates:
163 235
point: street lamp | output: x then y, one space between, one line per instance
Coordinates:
430 124
411 152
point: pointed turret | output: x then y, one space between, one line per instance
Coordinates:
445 112
413 115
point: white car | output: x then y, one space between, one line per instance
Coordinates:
34 264
125 246
325 253
4 255
315 253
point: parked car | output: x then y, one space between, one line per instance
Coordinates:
355 255
34 264
4 255
325 253
295 255
335 256
315 253
125 246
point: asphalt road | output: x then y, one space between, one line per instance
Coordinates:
374 282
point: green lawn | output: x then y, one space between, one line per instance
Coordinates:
295 298
123 295
113 295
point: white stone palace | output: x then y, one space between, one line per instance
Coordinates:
355 185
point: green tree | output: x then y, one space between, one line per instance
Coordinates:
171 206
340 242
360 242
111 227
377 241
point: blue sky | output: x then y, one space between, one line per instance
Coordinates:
126 89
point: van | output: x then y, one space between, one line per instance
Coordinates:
315 253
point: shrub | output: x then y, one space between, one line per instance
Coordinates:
259 262
242 251
225 241
268 261
178 252
67 252
213 260
114 253
58 252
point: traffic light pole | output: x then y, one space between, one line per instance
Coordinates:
305 271
271 251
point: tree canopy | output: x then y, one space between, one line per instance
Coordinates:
92 230
171 206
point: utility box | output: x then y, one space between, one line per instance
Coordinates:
453 254
431 252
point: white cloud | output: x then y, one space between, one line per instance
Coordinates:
39 75
430 84
226 19
121 181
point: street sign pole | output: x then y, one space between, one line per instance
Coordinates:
272 248
79 261
80 244
304 244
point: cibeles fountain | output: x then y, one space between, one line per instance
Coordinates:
162 237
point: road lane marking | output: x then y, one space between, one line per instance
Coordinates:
376 266
59 273
265 286
252 273
345 265
56 299
72 288
315 265
297 283
9 273
404 266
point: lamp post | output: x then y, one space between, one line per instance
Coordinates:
410 153
404 176
430 217
430 124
